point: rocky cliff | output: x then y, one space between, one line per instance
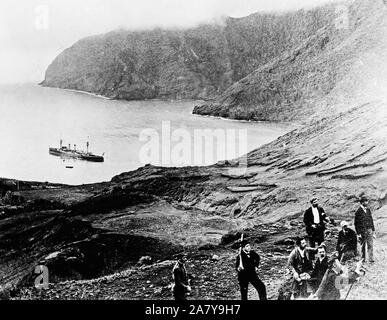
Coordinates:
198 63
323 74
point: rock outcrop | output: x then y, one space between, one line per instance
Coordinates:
267 67
197 63
340 64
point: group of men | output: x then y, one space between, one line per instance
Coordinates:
324 277
316 277
315 219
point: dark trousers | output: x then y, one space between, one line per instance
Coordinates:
316 236
367 244
180 295
345 255
245 279
300 289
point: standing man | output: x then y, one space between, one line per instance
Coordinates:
364 225
346 243
300 265
314 219
246 262
180 277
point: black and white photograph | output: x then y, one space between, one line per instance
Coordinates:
193 150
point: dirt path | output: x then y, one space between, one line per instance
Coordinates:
213 280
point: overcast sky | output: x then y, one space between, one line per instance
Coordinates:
33 32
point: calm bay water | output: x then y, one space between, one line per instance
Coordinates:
33 118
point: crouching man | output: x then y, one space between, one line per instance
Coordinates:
336 278
320 267
346 243
300 264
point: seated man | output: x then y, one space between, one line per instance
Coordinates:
300 265
346 243
336 278
320 267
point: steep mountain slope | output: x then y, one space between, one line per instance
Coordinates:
196 63
333 68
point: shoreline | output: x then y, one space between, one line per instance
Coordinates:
29 183
113 99
294 125
88 93
80 91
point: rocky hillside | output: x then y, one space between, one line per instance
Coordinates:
86 232
342 63
200 62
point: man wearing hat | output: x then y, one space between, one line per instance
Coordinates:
246 262
179 274
365 229
346 243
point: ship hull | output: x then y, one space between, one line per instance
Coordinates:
75 155
93 158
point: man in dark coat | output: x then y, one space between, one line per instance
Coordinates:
179 274
346 243
300 264
314 220
246 262
320 267
365 229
